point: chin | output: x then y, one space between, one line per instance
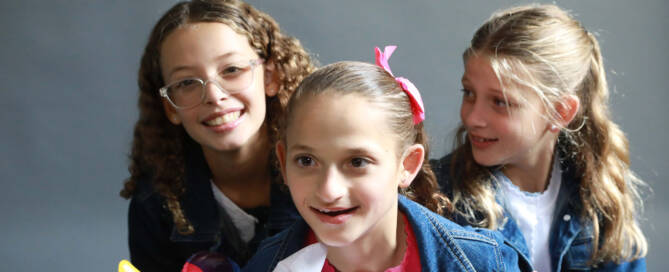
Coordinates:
227 145
487 162
335 240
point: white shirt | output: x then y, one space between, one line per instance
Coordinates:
307 259
533 212
244 222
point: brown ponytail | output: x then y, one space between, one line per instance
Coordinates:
377 85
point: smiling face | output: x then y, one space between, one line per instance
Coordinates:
342 168
502 127
205 50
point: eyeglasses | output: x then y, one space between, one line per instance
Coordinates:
190 92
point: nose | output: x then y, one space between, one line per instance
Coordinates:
472 114
332 186
213 92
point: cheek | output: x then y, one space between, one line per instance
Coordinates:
297 191
300 184
257 98
292 180
513 130
527 128
189 117
463 112
376 193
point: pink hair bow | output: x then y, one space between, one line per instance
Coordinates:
417 107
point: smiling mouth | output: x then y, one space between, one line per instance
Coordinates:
335 212
224 119
481 139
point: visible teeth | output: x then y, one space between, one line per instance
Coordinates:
226 118
337 212
479 139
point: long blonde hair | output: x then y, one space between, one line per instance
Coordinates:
543 49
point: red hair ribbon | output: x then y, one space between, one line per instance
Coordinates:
417 107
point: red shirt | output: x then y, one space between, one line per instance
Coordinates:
410 262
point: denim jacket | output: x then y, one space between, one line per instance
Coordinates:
571 237
442 244
156 245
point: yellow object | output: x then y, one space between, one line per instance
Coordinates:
126 266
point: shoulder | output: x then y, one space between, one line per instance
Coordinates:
635 265
463 246
276 248
424 218
442 169
148 217
441 165
146 198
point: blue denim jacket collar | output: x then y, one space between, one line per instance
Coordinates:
443 245
563 231
571 237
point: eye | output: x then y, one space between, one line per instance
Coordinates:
305 161
500 102
359 162
233 70
186 83
467 94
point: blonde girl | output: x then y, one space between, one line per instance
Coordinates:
537 156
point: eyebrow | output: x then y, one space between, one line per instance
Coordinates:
361 150
300 147
466 81
354 150
186 67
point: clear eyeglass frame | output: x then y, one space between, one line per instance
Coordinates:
165 89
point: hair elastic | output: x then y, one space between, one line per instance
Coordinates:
417 108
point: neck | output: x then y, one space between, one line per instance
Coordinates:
380 248
533 175
236 172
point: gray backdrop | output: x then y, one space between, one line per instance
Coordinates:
68 102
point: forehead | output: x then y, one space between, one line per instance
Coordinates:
479 71
331 121
480 75
199 43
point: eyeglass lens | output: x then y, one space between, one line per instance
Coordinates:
233 78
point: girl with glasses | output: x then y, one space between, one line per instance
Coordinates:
214 79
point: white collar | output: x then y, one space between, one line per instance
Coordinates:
307 259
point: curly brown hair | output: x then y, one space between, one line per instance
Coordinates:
379 86
158 147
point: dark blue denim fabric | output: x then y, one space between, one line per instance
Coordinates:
156 245
570 242
442 244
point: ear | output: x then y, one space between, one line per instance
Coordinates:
412 163
566 109
171 113
281 157
271 79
